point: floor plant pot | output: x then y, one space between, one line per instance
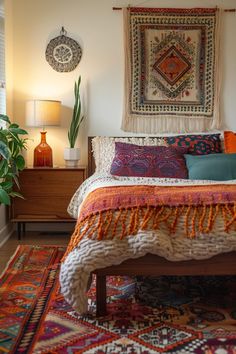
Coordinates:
71 156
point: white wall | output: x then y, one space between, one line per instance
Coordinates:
99 31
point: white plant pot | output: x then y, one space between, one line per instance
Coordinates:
71 156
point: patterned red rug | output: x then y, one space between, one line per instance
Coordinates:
151 315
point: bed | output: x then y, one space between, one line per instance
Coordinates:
113 256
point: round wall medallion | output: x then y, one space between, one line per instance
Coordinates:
63 53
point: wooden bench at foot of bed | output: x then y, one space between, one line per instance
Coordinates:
222 264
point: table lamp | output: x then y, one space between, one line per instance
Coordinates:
41 113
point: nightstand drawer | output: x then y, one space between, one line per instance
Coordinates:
41 208
50 182
47 193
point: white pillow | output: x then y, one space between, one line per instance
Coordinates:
104 149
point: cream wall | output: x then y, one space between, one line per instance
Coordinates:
98 29
5 227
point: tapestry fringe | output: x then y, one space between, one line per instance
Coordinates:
167 124
128 221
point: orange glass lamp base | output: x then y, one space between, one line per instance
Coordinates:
43 153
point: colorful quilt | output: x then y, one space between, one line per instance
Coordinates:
171 69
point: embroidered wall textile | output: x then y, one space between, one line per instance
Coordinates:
171 70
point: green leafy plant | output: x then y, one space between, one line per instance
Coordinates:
11 159
77 117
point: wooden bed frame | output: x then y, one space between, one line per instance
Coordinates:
222 264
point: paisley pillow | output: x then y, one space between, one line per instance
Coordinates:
149 161
197 144
104 148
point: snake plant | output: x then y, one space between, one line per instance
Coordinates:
77 117
11 159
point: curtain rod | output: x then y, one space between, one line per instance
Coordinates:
226 10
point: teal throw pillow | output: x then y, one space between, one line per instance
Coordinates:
217 167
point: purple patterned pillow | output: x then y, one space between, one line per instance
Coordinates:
149 161
197 144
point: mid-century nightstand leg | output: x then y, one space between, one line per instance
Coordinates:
19 230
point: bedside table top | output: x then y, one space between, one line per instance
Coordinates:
79 167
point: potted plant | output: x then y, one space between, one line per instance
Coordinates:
11 159
72 153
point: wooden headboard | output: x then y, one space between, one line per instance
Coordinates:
91 162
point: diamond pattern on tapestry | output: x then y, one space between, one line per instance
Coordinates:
171 69
172 72
172 66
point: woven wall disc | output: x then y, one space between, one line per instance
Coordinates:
63 53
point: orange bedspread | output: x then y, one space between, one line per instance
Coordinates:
120 211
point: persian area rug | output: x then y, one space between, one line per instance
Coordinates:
148 315
171 69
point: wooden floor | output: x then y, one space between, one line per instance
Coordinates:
31 238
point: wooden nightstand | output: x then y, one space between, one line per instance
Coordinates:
47 193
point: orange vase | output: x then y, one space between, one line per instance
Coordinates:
43 153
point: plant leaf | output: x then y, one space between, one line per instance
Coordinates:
4 197
7 185
3 136
13 125
4 151
20 162
18 131
16 180
76 116
11 160
5 118
16 194
4 168
2 163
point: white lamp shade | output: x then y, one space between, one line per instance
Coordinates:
40 113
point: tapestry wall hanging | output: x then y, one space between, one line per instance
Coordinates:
171 70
